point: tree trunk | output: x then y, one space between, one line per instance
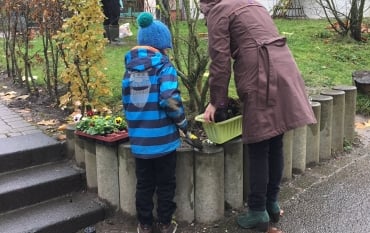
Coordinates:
356 19
349 23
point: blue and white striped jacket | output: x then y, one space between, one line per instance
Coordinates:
152 103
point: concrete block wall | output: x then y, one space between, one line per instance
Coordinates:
217 176
335 111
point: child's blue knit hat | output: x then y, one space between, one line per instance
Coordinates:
153 32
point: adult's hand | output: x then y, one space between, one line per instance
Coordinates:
209 113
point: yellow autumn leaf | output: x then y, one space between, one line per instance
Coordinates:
362 125
62 137
62 127
47 122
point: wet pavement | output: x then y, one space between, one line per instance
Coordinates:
340 203
12 124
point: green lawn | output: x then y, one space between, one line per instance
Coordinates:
323 59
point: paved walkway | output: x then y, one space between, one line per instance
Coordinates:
12 124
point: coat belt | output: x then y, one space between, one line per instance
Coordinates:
267 84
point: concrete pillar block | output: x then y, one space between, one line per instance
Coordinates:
313 137
184 196
326 119
209 184
349 111
299 149
246 187
337 139
233 151
70 134
90 165
127 179
79 151
288 154
107 174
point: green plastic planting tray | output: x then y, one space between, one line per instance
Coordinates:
223 131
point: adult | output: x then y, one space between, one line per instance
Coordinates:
111 10
269 84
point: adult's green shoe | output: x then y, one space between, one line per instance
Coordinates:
274 211
258 220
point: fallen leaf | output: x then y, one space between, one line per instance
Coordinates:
362 125
62 127
10 93
26 110
9 97
62 137
47 122
23 97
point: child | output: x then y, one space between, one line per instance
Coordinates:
154 113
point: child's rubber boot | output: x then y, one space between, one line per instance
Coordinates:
258 220
274 211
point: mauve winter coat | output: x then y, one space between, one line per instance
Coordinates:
266 76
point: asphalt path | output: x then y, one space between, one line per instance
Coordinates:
340 203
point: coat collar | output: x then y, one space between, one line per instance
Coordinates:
206 5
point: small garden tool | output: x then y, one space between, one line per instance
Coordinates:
192 140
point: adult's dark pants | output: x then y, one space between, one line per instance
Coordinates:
266 165
157 174
111 9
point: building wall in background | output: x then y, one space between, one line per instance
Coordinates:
314 11
310 7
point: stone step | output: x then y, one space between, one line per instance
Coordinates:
38 183
29 150
66 214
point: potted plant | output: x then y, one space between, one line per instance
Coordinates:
109 129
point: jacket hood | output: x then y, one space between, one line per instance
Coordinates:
142 58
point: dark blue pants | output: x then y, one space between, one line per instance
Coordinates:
111 9
157 174
266 165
